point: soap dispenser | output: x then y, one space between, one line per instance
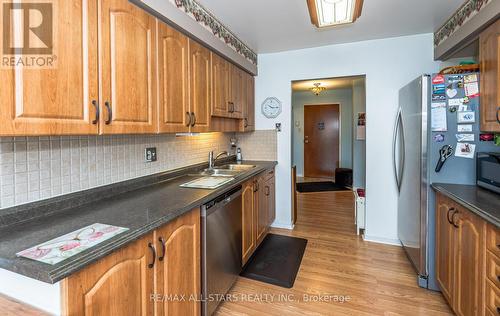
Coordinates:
239 158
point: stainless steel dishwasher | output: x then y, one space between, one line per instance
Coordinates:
221 247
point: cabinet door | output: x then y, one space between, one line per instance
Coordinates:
445 248
221 84
269 191
248 235
173 68
200 86
128 69
178 269
262 217
489 56
238 92
249 109
469 263
56 100
119 284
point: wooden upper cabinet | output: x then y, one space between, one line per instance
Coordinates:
221 85
248 219
200 82
57 100
238 92
119 284
173 71
469 263
128 68
489 56
179 265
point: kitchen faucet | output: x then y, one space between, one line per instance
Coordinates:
212 161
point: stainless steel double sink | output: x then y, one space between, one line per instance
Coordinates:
230 170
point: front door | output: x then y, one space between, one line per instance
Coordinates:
321 140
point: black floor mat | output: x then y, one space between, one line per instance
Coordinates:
320 187
276 261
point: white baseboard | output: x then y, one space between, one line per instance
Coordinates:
283 226
381 240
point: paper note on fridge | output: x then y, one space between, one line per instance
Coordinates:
465 150
466 117
464 128
438 117
456 102
471 89
465 137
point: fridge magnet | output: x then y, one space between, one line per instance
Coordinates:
464 108
438 98
438 138
456 102
466 117
497 139
471 89
451 93
444 153
470 78
466 100
465 150
453 108
454 78
465 138
438 79
488 137
439 89
464 128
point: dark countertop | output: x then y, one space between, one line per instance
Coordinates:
141 210
482 202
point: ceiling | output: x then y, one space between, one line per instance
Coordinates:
329 83
280 25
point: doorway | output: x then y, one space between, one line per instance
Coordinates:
321 140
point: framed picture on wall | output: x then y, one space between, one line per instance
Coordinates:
361 126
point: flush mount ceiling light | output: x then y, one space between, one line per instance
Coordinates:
317 89
326 13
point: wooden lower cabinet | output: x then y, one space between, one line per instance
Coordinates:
141 278
467 270
119 284
258 211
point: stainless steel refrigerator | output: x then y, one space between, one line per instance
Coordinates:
416 153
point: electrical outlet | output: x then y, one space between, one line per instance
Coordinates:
150 154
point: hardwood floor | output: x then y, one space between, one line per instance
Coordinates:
10 307
377 278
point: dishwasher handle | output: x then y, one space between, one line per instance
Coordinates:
221 201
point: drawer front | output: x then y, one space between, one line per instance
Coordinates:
492 297
493 268
493 240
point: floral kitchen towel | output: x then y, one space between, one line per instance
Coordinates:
61 248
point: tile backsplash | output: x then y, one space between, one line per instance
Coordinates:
35 168
259 145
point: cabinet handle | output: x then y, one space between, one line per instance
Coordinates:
246 122
453 219
189 119
96 106
162 242
153 252
498 115
110 112
194 119
451 209
268 190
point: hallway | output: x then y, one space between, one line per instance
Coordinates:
378 279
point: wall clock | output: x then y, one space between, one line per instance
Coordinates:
271 107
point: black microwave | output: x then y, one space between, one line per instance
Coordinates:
488 171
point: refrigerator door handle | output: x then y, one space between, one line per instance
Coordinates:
394 142
403 152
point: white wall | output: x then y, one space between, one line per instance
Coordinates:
388 64
343 97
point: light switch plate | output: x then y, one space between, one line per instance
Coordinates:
150 154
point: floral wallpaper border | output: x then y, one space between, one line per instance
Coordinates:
204 17
466 11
